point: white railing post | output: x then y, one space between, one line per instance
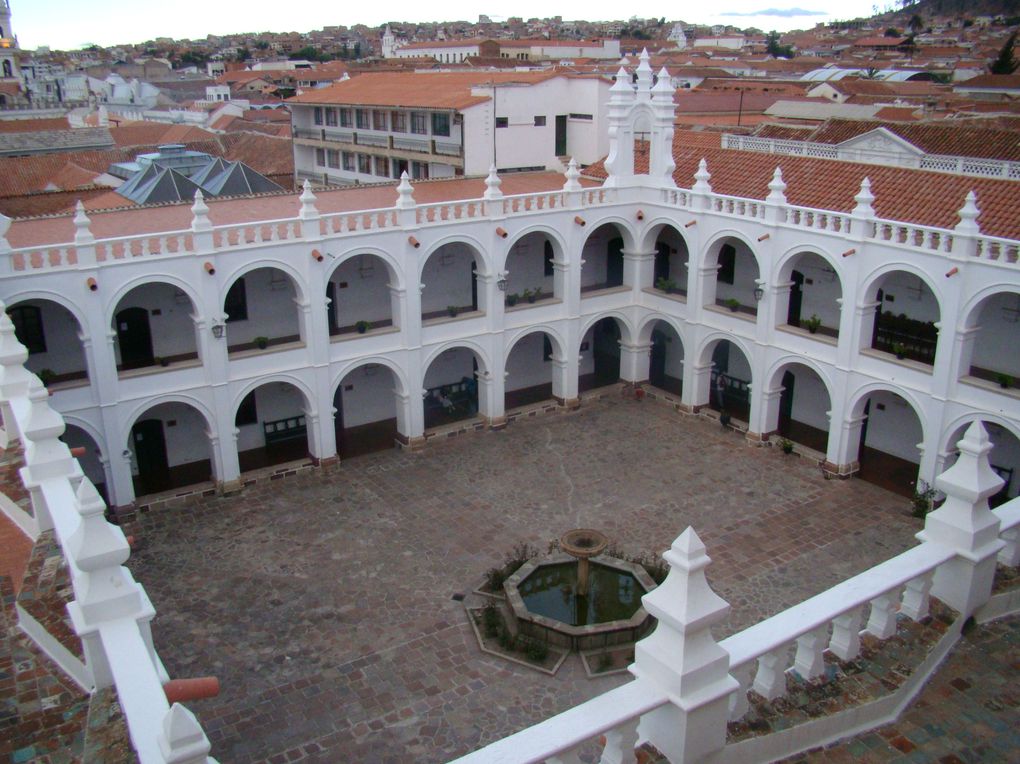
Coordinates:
683 659
46 456
770 679
620 744
915 597
182 740
882 619
808 662
965 524
308 215
845 643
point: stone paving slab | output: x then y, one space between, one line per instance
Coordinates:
324 602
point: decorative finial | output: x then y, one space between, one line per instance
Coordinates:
200 212
82 234
573 177
405 193
492 184
701 178
969 213
308 199
864 199
777 188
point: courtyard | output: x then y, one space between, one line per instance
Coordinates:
325 603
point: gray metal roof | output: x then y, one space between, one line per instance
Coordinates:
52 141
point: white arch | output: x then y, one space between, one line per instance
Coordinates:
485 363
300 288
138 281
716 242
873 277
141 407
857 398
559 245
645 329
483 266
789 257
347 368
704 353
560 345
621 319
394 266
290 379
970 310
653 228
946 443
790 359
54 297
89 429
622 225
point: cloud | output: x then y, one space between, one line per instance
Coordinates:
783 12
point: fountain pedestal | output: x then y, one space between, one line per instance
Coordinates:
581 544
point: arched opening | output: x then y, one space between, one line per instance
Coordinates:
170 448
529 371
736 277
450 276
262 311
802 410
602 258
8 69
809 295
666 362
90 459
1004 458
451 387
530 270
360 296
672 260
52 336
271 426
154 327
903 323
990 353
888 447
365 405
730 381
599 364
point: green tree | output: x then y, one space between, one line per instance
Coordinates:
916 23
1006 63
776 50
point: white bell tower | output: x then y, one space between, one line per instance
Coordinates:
8 44
389 43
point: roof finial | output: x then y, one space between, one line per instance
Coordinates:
200 211
864 199
777 188
492 184
644 72
405 193
701 178
308 199
82 234
968 225
573 177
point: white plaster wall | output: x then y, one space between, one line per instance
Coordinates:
60 330
594 254
525 367
745 273
820 290
450 366
586 358
76 437
910 295
273 401
995 346
674 351
368 395
449 283
184 430
894 430
810 398
525 265
366 296
272 311
679 257
170 322
478 127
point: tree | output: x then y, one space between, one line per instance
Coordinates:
892 32
776 50
1006 63
916 24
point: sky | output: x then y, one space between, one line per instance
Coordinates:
71 24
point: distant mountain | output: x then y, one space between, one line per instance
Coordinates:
967 8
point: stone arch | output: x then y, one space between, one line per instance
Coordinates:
153 278
806 291
370 297
148 324
621 318
393 266
988 329
93 462
623 225
451 388
724 379
532 274
300 288
530 367
559 344
906 328
653 227
1004 458
671 263
163 437
666 360
55 297
52 330
368 417
793 402
602 341
477 249
291 379
140 407
399 375
883 441
558 242
454 280
729 268
247 305
602 258
645 328
289 435
485 363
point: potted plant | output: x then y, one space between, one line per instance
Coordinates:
453 310
46 376
261 342
900 350
1004 380
527 295
733 304
162 361
786 445
362 326
536 294
812 324
724 419
512 298
660 284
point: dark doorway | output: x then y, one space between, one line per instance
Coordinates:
796 297
561 135
361 439
786 404
657 363
882 469
402 167
661 262
331 310
614 262
606 355
134 338
474 286
150 455
878 323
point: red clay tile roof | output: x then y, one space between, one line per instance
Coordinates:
1011 81
439 90
33 125
176 217
909 196
153 133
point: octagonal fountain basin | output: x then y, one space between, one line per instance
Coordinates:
543 595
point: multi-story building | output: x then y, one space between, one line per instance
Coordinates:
375 127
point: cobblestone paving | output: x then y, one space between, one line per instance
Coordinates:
324 602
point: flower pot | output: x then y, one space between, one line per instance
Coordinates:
531 298
362 329
164 362
812 329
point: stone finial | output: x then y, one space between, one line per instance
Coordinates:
46 456
182 740
573 177
95 543
701 178
345 77
200 213
777 188
864 199
308 209
644 72
622 85
82 234
663 89
405 193
12 353
682 658
492 184
969 212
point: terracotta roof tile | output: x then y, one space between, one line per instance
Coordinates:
33 125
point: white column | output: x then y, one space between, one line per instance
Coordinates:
638 269
634 361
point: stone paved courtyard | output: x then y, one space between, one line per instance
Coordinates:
324 603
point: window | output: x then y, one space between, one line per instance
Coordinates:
418 123
727 264
28 327
320 157
364 164
318 115
548 258
440 124
420 170
330 117
236 304
333 158
246 412
398 122
349 161
345 118
502 122
540 121
378 120
581 116
382 166
361 119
